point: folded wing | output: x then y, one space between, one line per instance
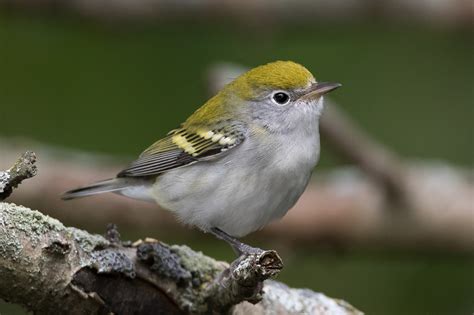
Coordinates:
185 146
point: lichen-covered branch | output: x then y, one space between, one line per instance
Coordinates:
22 169
48 268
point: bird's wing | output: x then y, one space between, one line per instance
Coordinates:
184 146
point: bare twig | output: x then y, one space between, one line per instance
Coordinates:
22 169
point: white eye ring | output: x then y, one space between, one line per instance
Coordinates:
280 98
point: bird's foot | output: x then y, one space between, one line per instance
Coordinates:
241 249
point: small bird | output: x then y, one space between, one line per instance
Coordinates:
240 161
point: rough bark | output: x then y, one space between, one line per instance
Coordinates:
23 168
50 268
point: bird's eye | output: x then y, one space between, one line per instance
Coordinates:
281 98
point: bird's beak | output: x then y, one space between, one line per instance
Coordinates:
320 88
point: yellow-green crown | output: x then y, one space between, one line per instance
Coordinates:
284 75
278 75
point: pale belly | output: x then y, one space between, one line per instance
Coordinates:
238 195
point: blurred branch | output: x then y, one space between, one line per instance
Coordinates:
434 12
342 206
50 268
352 143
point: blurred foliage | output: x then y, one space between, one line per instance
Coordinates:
117 88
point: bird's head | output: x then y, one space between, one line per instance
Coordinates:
279 96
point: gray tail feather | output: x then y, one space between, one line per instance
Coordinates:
108 185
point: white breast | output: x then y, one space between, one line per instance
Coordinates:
242 191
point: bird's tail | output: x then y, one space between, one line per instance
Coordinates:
108 185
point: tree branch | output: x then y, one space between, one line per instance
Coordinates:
22 169
48 267
376 160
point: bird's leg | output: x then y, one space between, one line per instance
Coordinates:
240 248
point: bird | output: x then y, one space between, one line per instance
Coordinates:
237 163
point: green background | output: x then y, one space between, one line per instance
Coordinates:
115 88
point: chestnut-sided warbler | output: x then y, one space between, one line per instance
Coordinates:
240 161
